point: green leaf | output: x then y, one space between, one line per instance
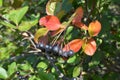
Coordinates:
26 25
25 67
11 68
1 2
17 15
71 60
7 24
46 76
42 65
40 32
3 73
34 78
76 71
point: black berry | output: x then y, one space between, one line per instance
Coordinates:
42 47
20 77
60 52
65 54
18 73
70 53
48 48
55 49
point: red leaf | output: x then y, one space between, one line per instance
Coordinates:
50 22
94 28
78 16
89 47
74 45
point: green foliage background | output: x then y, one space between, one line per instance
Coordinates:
23 15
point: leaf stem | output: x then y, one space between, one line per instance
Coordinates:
67 24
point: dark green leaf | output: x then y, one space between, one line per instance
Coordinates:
46 76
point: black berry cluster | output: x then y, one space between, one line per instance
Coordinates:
56 50
20 77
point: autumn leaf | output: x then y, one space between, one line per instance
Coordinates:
77 19
89 46
40 33
81 25
94 28
50 22
78 16
74 45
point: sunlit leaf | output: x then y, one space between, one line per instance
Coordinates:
42 65
71 59
17 15
94 28
76 71
7 24
50 22
40 33
3 73
89 47
74 45
53 7
58 8
1 3
26 25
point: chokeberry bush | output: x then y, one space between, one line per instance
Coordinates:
59 40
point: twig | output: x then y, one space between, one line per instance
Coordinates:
21 56
61 75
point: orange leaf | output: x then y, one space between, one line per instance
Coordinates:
89 47
94 28
50 22
74 45
78 16
81 25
